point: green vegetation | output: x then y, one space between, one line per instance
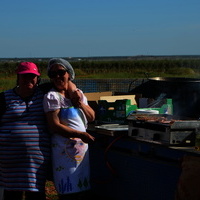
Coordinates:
101 69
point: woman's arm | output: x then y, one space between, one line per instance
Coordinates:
57 127
88 111
77 100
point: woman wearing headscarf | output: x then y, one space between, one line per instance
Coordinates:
67 115
24 139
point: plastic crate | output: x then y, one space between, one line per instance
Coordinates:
116 112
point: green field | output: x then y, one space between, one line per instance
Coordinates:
116 68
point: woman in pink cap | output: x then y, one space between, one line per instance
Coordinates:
24 140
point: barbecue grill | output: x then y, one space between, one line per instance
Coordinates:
163 129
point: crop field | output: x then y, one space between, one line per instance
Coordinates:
106 69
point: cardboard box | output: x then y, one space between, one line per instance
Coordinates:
119 97
109 108
95 96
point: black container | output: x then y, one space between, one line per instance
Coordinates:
184 92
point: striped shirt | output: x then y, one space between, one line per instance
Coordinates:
24 143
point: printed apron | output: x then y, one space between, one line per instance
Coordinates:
70 157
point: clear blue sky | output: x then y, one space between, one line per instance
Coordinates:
82 28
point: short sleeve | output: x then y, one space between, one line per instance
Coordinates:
51 101
83 97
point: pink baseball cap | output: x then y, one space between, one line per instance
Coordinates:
27 68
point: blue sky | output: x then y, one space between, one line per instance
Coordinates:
84 28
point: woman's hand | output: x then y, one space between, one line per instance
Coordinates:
77 98
56 127
86 137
